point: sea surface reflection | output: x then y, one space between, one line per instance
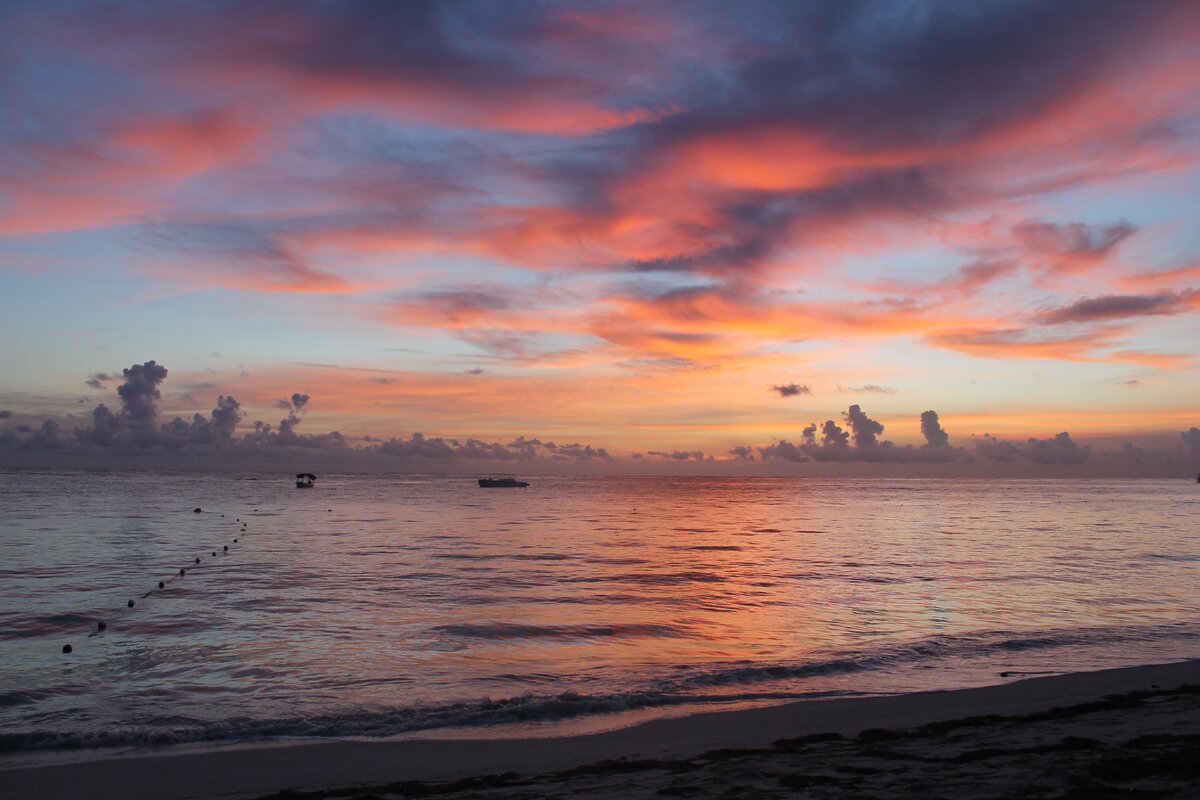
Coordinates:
376 606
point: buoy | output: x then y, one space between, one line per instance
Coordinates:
66 648
101 625
235 541
197 559
226 548
130 604
182 572
162 585
195 511
214 553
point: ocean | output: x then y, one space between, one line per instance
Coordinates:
393 606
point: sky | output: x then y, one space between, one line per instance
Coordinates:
661 236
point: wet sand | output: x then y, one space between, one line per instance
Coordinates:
1130 733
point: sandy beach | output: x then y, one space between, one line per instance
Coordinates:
1131 732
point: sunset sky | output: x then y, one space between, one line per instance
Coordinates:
649 227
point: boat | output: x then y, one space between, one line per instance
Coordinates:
305 480
502 482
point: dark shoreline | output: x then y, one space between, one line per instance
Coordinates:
1130 732
885 763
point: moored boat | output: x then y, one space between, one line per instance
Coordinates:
305 480
502 482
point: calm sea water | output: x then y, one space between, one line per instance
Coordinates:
381 606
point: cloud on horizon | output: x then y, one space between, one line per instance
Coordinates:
835 444
133 434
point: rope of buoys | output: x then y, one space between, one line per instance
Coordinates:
102 626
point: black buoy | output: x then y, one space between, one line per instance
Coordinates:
195 511
130 604
66 648
101 625
182 572
235 541
214 553
162 585
226 548
197 559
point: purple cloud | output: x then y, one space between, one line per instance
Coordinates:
791 389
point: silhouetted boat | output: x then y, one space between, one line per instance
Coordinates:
502 482
305 480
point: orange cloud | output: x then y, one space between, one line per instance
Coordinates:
121 174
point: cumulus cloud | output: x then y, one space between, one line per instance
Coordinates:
132 429
1191 440
783 450
742 452
575 451
1132 453
135 422
866 430
931 429
791 389
678 455
1059 449
833 436
218 428
810 434
835 443
49 436
285 435
139 393
996 449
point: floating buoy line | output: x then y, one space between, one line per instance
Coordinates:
102 625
